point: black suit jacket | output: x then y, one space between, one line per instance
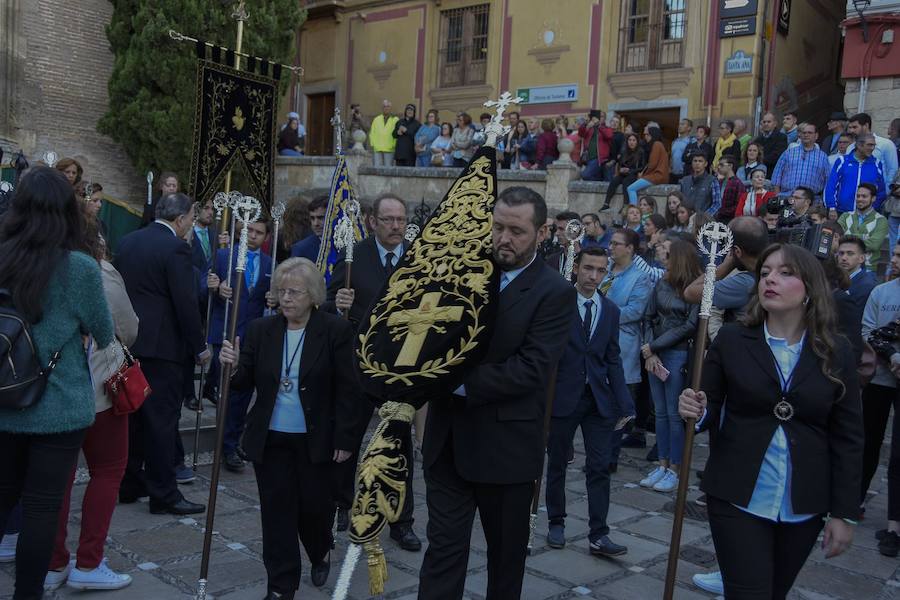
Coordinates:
366 279
159 277
825 436
496 431
328 387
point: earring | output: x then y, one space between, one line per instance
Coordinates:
806 301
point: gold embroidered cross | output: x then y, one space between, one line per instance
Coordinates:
415 324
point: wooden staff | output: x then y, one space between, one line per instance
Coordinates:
247 210
219 203
719 238
536 499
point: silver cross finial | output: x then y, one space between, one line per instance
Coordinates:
714 241
495 128
338 126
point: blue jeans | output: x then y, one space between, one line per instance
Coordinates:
634 188
669 426
598 444
592 171
423 160
893 225
289 152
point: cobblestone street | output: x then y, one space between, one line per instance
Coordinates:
162 553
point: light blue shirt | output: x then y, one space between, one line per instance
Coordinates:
678 147
382 253
288 416
771 497
595 309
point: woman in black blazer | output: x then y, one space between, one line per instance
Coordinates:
300 363
782 462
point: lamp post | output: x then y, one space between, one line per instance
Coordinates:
860 6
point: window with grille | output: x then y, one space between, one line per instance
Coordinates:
652 34
464 46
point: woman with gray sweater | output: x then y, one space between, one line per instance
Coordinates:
59 291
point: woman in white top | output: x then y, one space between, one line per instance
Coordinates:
440 147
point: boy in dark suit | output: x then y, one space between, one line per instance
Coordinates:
590 392
257 279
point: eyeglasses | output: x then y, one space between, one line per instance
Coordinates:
391 220
290 293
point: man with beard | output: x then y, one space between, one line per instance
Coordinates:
484 444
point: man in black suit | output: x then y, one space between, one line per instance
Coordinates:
590 392
374 259
155 263
484 444
772 141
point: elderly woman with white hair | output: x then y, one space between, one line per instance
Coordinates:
300 362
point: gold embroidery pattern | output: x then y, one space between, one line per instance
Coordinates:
452 255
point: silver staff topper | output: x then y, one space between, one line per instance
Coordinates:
412 232
714 241
496 129
574 233
50 158
345 230
149 188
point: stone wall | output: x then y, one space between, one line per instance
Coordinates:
882 101
559 185
54 69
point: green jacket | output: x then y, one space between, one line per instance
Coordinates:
872 229
73 304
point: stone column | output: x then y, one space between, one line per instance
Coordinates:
559 174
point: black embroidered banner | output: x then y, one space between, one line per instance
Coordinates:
234 127
435 315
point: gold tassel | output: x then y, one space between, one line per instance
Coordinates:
377 567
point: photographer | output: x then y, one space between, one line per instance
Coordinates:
596 138
880 326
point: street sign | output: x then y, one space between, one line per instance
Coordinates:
784 17
738 64
728 9
737 27
547 94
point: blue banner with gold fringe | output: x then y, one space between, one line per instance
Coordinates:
340 198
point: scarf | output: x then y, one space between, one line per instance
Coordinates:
722 144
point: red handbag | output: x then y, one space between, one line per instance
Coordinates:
127 387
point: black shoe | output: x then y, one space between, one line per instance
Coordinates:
653 455
634 440
182 507
234 463
319 573
192 404
343 519
889 544
279 596
406 537
130 498
606 547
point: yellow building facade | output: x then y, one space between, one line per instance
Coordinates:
646 60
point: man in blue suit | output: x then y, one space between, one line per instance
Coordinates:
309 246
257 279
590 392
851 258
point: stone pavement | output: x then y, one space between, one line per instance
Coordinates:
162 553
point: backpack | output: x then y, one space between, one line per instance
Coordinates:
22 379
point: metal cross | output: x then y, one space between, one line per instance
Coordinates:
495 128
338 126
719 238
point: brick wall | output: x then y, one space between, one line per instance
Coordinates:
63 62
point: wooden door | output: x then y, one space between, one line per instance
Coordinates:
319 132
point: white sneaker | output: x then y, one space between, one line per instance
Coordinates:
667 483
101 578
54 579
8 547
653 477
710 582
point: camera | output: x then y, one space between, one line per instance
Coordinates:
884 338
800 231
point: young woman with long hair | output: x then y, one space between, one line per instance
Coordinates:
673 201
59 291
788 453
669 326
656 171
628 165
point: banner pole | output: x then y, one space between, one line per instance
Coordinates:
241 15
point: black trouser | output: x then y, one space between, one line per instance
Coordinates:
153 433
759 559
36 470
504 512
876 403
405 162
598 434
624 181
295 507
345 472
